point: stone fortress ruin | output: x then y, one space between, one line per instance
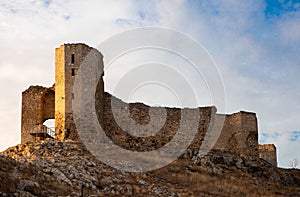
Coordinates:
239 134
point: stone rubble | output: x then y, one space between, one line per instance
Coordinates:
55 168
71 165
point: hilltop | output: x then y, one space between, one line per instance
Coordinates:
56 168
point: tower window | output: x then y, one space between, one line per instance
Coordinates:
73 58
73 71
72 95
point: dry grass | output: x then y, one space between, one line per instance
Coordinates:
229 183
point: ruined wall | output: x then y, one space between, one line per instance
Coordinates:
238 136
249 135
49 104
268 153
239 133
140 114
68 59
37 107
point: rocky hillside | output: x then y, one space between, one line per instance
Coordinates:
53 168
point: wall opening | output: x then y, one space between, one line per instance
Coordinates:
50 123
67 134
73 58
49 128
73 71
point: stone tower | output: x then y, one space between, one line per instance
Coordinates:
68 59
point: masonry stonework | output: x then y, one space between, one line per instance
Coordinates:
268 153
239 134
68 59
37 107
239 131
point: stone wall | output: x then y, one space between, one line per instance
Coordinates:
49 104
268 153
37 107
239 133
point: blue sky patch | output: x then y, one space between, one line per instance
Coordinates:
295 135
142 15
47 3
266 137
67 18
279 7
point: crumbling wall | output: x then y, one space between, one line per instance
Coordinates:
140 114
37 106
268 153
49 104
249 135
238 136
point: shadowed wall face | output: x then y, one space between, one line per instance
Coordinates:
239 133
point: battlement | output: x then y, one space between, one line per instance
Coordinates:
238 135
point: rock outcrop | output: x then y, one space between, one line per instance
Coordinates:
55 168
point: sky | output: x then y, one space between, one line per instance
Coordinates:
255 45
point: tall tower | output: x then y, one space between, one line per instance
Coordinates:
68 58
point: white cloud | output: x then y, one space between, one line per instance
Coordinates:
289 26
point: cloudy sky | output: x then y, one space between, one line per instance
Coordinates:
255 45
